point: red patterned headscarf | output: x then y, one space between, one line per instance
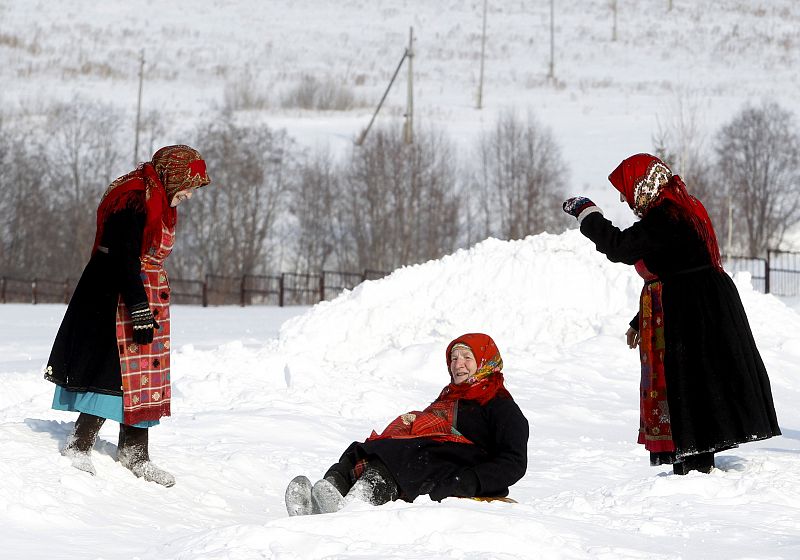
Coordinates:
180 168
646 182
436 421
152 186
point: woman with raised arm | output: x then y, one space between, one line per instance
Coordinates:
704 387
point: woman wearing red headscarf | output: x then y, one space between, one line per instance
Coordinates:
110 358
704 387
470 442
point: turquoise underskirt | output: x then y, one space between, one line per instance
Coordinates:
105 406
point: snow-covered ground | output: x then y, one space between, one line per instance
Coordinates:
263 394
699 62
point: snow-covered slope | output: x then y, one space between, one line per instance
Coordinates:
608 99
259 399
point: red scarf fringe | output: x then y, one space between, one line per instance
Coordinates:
690 208
140 188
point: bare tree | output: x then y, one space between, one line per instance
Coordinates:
229 229
521 177
759 160
82 155
313 201
398 201
50 185
680 141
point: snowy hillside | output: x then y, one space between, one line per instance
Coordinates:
259 398
607 101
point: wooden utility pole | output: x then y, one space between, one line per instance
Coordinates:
552 73
614 26
361 138
138 110
483 51
408 129
408 126
730 226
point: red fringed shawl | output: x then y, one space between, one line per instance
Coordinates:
142 184
436 421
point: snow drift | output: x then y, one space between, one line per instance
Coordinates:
256 404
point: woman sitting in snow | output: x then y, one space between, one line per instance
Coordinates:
470 442
704 387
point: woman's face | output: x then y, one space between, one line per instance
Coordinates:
462 365
180 196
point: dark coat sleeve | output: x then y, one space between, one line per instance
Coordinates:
122 236
625 246
507 459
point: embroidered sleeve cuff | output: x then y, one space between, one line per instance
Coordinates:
590 210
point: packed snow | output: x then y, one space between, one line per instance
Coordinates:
263 394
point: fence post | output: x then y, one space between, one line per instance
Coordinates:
241 290
33 291
322 286
280 291
205 291
766 273
3 289
66 290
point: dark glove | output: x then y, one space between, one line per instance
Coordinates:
577 204
462 485
144 324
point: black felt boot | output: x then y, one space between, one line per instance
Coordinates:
702 462
80 442
375 486
133 454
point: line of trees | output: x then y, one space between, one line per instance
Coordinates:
748 177
274 206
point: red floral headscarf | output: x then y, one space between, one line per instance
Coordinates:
153 185
646 182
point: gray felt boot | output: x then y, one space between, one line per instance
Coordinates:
298 496
325 498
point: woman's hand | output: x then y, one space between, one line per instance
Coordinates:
633 337
575 205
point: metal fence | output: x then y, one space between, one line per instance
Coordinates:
286 288
755 266
783 273
778 274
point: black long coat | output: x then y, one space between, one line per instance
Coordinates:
85 355
498 458
718 390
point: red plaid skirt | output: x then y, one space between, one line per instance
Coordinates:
146 389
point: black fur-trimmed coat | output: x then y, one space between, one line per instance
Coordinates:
718 390
84 356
